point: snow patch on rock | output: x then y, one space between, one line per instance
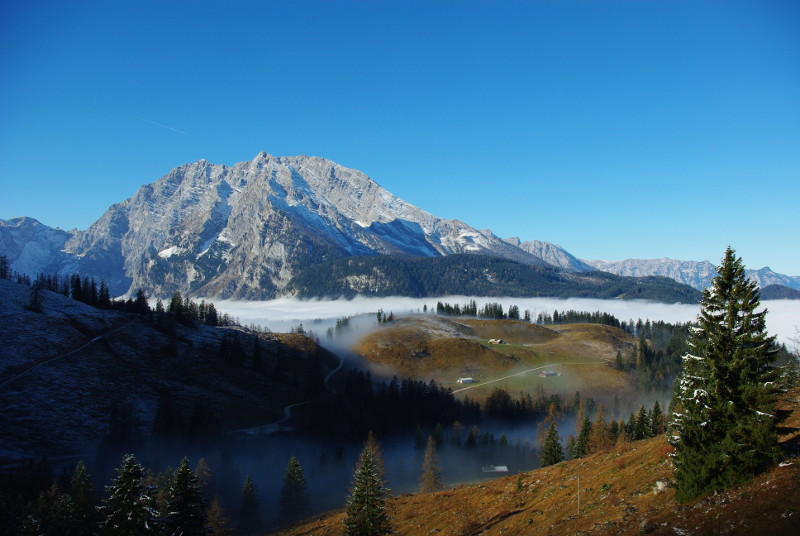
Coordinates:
168 252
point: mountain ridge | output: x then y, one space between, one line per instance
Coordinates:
244 231
692 273
553 254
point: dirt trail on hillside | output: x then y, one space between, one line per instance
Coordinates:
552 365
32 366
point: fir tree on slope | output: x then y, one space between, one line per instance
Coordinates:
642 426
82 492
185 504
552 453
656 420
128 508
294 500
582 447
249 510
365 514
723 426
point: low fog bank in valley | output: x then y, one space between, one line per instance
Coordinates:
284 314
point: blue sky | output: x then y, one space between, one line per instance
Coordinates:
616 129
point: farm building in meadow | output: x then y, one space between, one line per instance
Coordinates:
496 341
495 468
548 373
467 380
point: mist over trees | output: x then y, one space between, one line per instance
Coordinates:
361 405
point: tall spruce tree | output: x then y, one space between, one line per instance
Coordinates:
642 426
294 501
83 499
582 445
377 455
365 514
723 425
656 420
552 453
599 438
185 505
129 510
104 296
249 510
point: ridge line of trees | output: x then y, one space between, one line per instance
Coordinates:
88 290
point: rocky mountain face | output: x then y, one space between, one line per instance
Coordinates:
692 273
32 247
244 231
552 254
765 277
695 274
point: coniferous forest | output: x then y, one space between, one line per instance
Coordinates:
474 275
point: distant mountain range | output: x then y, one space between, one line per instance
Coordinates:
695 274
246 231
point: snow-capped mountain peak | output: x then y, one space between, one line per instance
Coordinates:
243 231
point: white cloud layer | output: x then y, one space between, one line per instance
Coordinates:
783 318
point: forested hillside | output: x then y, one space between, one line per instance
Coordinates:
474 275
779 292
86 365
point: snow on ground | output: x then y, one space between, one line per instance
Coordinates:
169 252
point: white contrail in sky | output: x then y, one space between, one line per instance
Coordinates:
160 125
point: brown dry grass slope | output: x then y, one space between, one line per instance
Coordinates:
626 490
445 349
